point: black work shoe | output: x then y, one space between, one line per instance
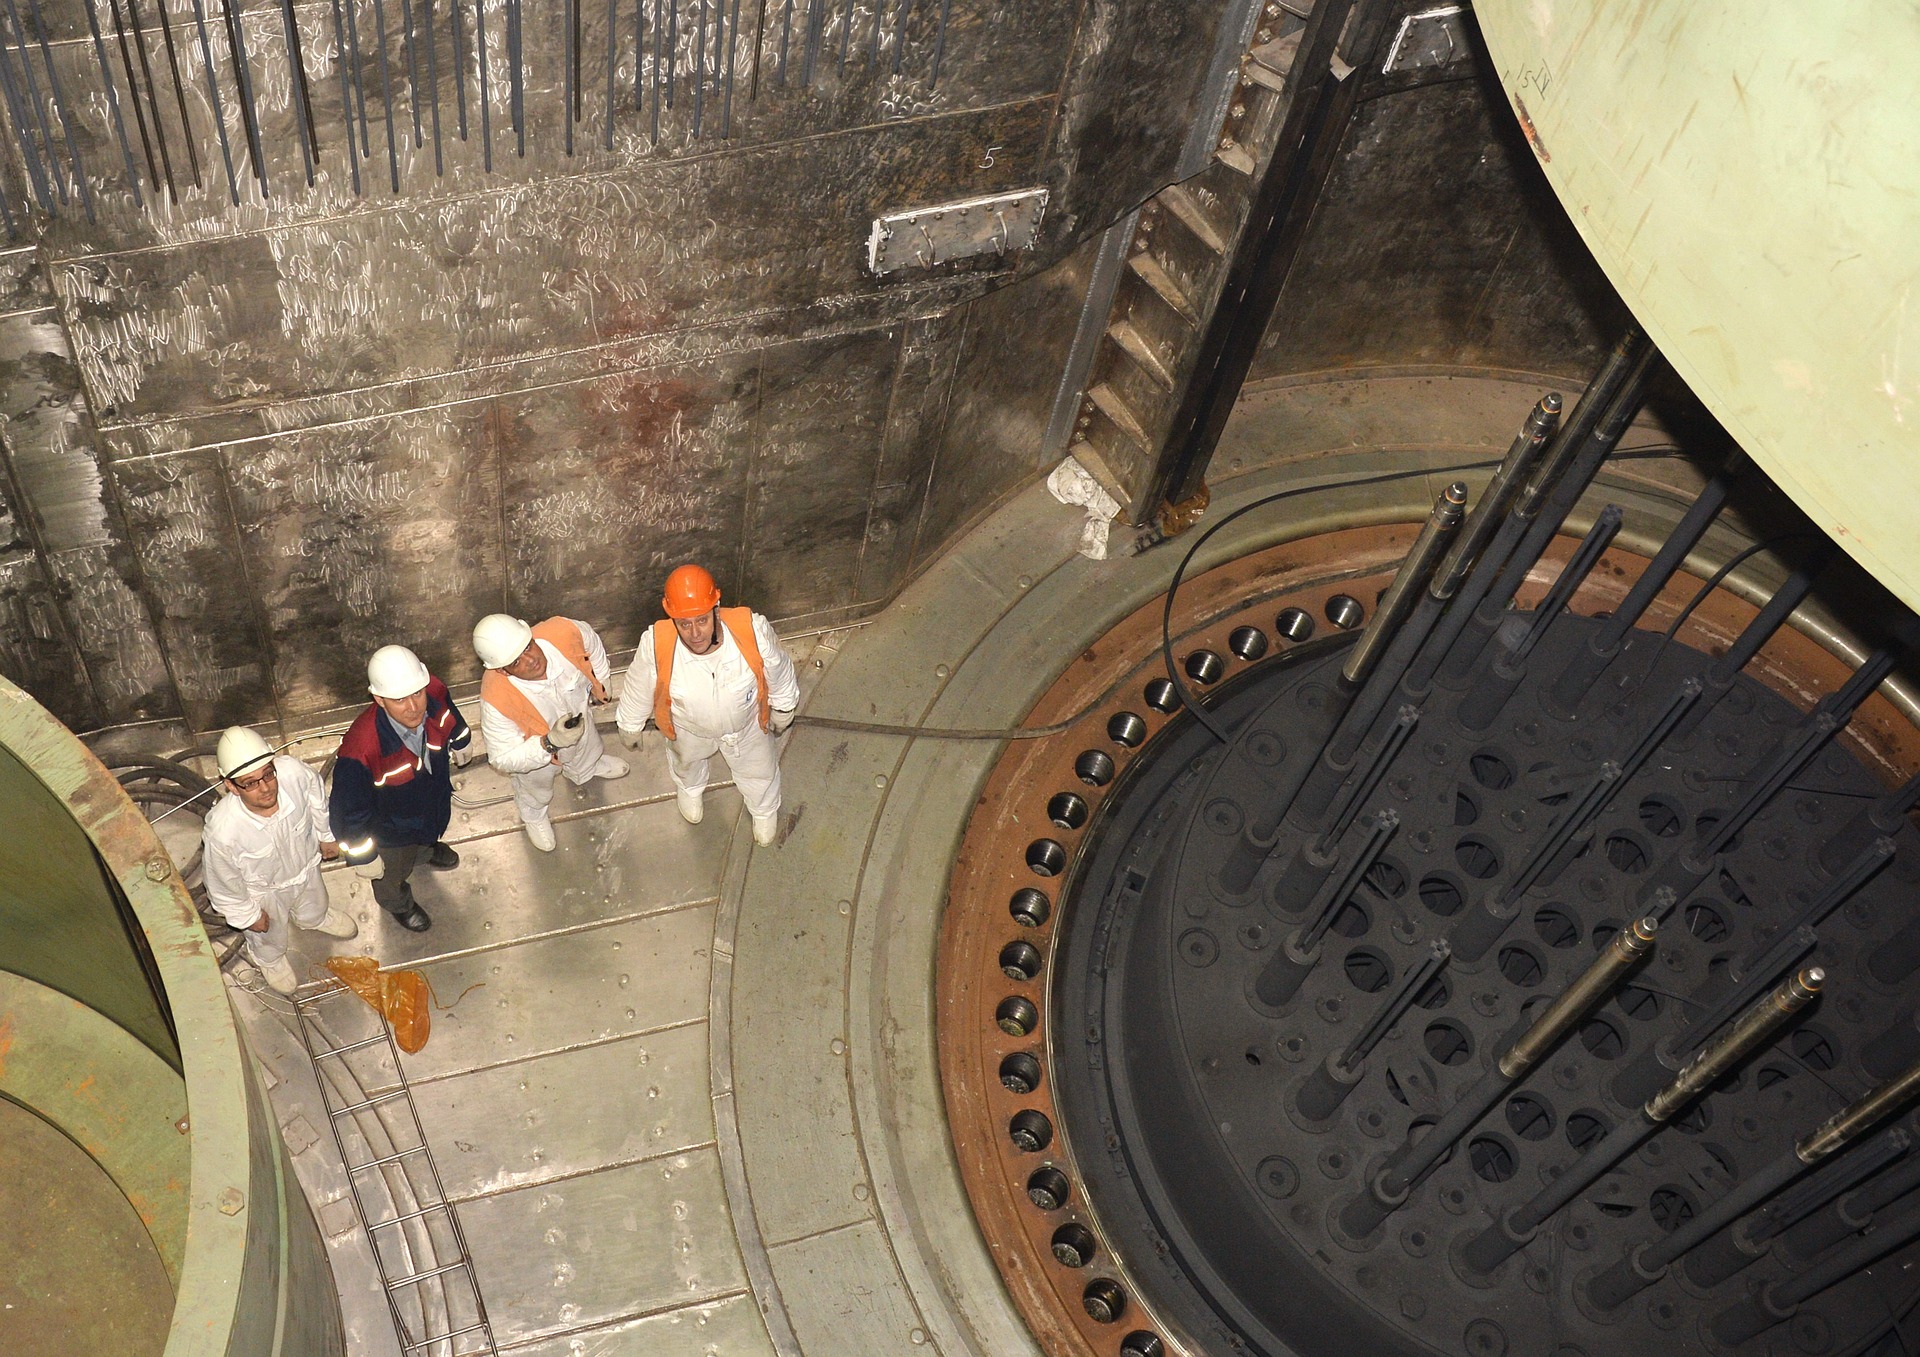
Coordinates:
415 920
443 857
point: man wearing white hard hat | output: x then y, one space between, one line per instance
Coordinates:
262 848
535 710
393 781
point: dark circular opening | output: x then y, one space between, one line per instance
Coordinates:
1696 1118
1020 1073
1477 858
1105 1302
1141 1343
1638 1003
1448 1042
1491 770
1124 728
1351 920
1442 894
1294 625
1047 1188
1603 1038
1073 1245
1387 877
1094 767
1205 666
1671 1207
1067 809
1812 1047
1368 970
1529 1117
1706 923
1046 857
1345 611
1625 853
1029 907
1249 643
1585 1129
1161 695
1016 1016
1030 1131
1708 821
1521 966
1769 1075
1661 818
1020 960
1491 1158
1556 927
1433 994
1466 810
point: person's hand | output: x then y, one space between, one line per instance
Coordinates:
329 849
567 732
460 757
259 925
780 721
373 869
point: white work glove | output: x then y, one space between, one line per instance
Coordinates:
460 757
372 869
780 720
567 732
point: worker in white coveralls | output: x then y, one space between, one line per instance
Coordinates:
535 710
262 848
714 680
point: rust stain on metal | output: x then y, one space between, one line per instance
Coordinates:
1528 130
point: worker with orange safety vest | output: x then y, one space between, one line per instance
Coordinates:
714 680
535 710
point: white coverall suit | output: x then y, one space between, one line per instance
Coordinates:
530 769
269 865
716 709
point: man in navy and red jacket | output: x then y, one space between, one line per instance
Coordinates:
393 781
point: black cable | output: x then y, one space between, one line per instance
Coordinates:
1355 482
1713 582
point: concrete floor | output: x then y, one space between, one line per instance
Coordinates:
685 1093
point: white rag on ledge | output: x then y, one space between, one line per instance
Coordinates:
1072 483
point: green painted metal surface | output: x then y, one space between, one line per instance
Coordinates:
1749 178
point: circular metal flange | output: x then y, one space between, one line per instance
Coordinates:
1016 873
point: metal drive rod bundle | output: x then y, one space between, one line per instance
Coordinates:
1390 1186
1327 1087
1880 817
1615 397
1776 1303
1790 595
1281 978
1755 1028
1307 871
1853 1212
1641 1267
1258 837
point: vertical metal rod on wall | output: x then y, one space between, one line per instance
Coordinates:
37 106
613 62
846 35
659 10
433 84
733 48
759 40
809 42
113 104
133 94
303 107
16 107
486 111
673 45
639 54
786 31
568 9
243 80
459 67
515 37
699 67
409 38
346 97
213 95
179 85
386 92
359 84
576 44
60 109
939 42
900 33
873 37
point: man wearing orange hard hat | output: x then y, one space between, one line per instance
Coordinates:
715 681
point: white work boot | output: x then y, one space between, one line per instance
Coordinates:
610 768
766 829
540 834
279 975
336 925
691 808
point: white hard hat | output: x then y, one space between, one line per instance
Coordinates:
396 672
240 749
498 639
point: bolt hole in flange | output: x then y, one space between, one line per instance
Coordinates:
1294 624
1029 907
1016 1016
1205 667
1094 767
1073 1245
1046 857
1047 1188
1020 961
1126 729
1345 611
1020 1073
1249 643
1104 1300
1141 1343
1162 696
1067 809
1030 1131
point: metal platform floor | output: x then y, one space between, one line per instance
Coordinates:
685 1093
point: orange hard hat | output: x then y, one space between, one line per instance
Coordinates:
690 592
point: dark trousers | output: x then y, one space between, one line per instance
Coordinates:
392 892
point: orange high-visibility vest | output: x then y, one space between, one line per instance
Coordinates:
739 625
498 692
